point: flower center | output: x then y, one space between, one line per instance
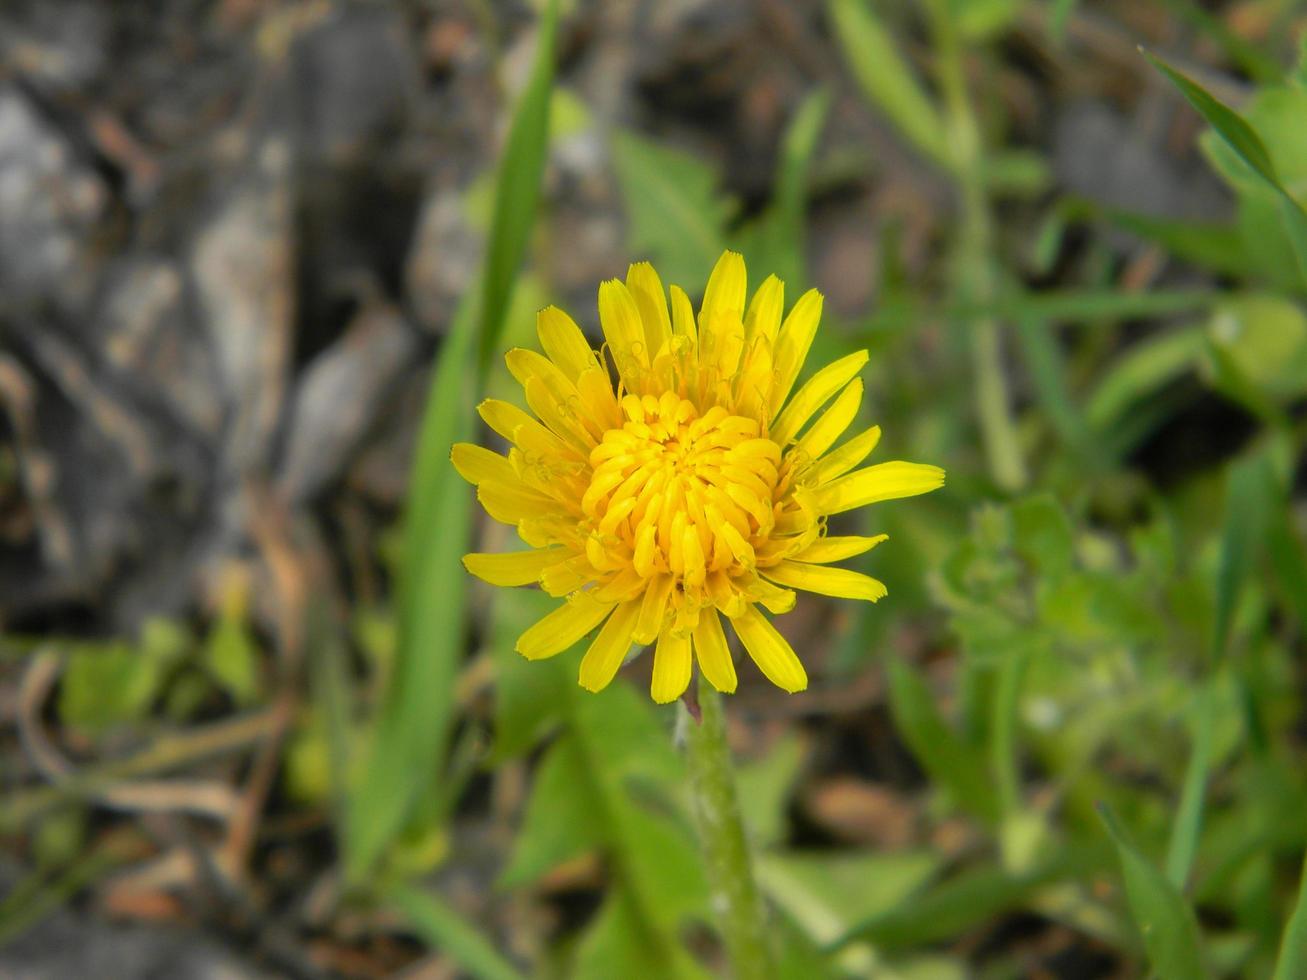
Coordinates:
675 492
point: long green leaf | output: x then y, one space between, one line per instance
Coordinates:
1189 814
1165 920
1292 964
446 931
954 764
413 730
517 195
1245 142
886 79
1249 496
959 903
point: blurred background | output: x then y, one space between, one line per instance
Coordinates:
256 722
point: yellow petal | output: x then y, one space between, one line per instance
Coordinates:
671 668
653 609
726 289
839 582
764 316
769 650
512 505
683 315
562 627
624 331
831 424
514 567
609 648
846 457
792 345
816 392
559 415
712 652
525 432
643 282
884 481
564 342
837 548
478 465
567 576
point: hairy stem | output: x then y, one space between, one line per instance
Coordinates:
735 894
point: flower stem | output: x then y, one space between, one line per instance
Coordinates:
735 895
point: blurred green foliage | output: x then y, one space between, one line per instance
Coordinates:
1119 726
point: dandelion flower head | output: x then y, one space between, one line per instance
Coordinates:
687 483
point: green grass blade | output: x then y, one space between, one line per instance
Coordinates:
413 730
792 185
952 763
1165 920
1043 357
886 79
1245 142
444 930
1229 125
1249 496
517 195
1189 815
1292 964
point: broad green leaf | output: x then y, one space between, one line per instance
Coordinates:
563 819
958 903
619 944
886 79
764 788
443 929
1164 919
828 894
529 695
232 658
677 215
413 729
112 683
1042 534
1265 336
953 764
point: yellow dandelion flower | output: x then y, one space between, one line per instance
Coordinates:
698 486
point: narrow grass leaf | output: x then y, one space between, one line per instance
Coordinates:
517 194
1189 814
1292 964
775 242
1044 359
1245 142
886 79
444 930
1249 496
1165 920
954 764
413 729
